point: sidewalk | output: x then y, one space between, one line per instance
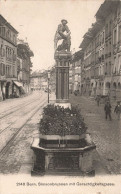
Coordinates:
105 134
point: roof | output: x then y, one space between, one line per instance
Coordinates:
106 8
77 55
4 21
19 84
88 36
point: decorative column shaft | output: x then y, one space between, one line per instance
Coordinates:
62 76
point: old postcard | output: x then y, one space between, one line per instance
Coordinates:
60 96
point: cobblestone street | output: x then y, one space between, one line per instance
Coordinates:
105 134
19 157
19 118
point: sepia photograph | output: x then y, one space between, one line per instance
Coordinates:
60 96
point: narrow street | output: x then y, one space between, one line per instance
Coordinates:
105 134
18 121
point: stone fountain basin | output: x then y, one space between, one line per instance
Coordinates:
67 141
71 153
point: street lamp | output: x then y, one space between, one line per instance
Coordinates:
48 84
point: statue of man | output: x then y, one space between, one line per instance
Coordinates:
60 35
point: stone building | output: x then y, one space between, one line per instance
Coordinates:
8 58
38 80
70 79
24 65
35 81
75 72
102 52
52 81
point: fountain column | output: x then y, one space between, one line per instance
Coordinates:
62 59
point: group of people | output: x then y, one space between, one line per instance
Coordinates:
107 108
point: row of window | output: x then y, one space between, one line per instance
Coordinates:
6 33
100 55
99 40
2 69
7 70
107 69
9 53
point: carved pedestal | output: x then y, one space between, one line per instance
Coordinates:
62 78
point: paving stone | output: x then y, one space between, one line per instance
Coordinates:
105 134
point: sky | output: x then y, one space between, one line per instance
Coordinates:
37 21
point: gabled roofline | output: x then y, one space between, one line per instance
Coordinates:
8 24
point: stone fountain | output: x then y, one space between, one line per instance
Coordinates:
68 154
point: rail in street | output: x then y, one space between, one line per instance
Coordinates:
18 120
14 109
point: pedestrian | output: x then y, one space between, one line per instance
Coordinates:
117 110
75 92
98 100
107 110
3 92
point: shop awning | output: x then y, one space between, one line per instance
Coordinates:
18 84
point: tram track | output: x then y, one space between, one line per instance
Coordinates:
2 130
14 108
9 142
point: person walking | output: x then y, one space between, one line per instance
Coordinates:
98 100
117 110
3 92
107 109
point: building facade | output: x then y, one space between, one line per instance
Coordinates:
15 62
70 79
35 82
24 65
101 68
8 58
75 72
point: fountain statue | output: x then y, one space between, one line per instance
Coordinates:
63 59
60 35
